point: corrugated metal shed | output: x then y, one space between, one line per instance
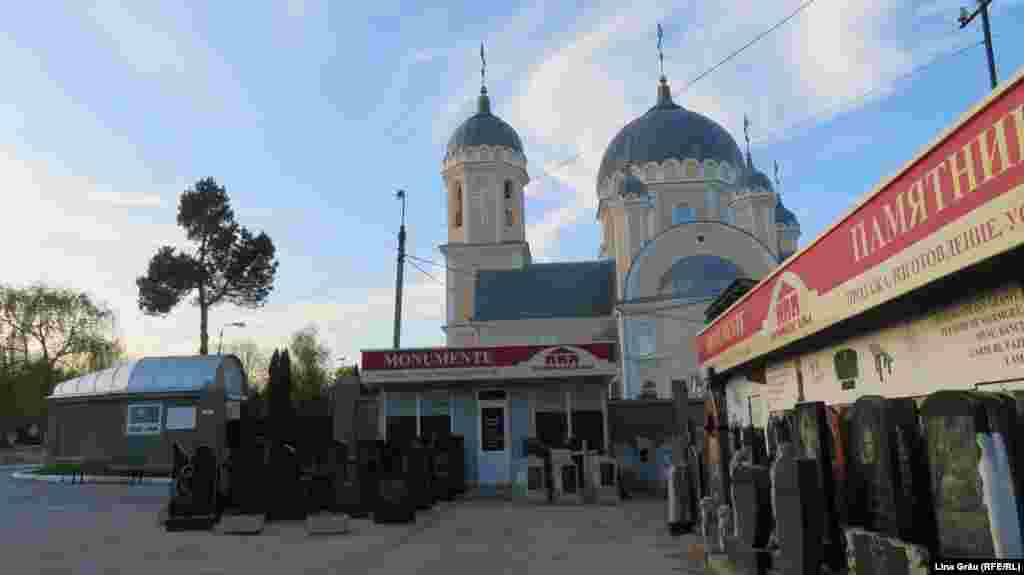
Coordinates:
157 375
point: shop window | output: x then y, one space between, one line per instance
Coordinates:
552 427
401 429
431 425
492 395
181 418
589 426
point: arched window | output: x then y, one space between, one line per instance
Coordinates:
681 214
509 213
458 205
699 277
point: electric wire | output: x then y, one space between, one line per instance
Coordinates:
775 134
748 44
423 271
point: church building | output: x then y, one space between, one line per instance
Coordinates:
537 349
683 214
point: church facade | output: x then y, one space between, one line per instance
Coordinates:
682 214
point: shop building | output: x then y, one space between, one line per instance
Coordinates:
916 289
495 397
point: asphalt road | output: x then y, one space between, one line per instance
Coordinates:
109 529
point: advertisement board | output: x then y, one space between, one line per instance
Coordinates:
975 341
958 203
480 363
144 419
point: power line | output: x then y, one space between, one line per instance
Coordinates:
749 44
424 272
449 268
862 96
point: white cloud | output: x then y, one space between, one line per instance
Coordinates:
296 8
122 199
577 96
164 46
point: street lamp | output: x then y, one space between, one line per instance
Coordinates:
966 18
220 344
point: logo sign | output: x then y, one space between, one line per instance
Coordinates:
562 358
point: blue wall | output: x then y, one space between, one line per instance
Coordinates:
465 413
519 429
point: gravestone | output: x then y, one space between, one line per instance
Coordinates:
814 441
798 504
976 506
396 502
288 500
751 492
247 514
193 504
708 522
344 412
871 553
888 482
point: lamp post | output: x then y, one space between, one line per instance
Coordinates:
966 18
400 194
220 344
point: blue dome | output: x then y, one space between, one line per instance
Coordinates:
668 131
484 129
783 216
700 276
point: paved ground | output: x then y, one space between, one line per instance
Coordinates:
86 529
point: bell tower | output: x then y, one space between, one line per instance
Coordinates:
484 173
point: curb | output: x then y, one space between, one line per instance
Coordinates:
28 475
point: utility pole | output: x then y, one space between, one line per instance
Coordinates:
220 344
400 194
966 18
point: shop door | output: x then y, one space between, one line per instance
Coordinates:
494 438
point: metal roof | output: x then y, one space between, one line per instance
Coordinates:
157 375
668 131
484 129
784 216
550 290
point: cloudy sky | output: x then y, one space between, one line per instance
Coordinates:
313 113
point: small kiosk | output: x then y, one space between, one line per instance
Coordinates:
496 398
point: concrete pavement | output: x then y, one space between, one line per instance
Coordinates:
109 529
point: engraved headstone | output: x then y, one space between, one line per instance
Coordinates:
193 502
815 443
799 513
976 505
871 553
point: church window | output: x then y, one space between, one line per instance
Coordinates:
681 214
643 337
509 213
712 204
729 215
458 205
